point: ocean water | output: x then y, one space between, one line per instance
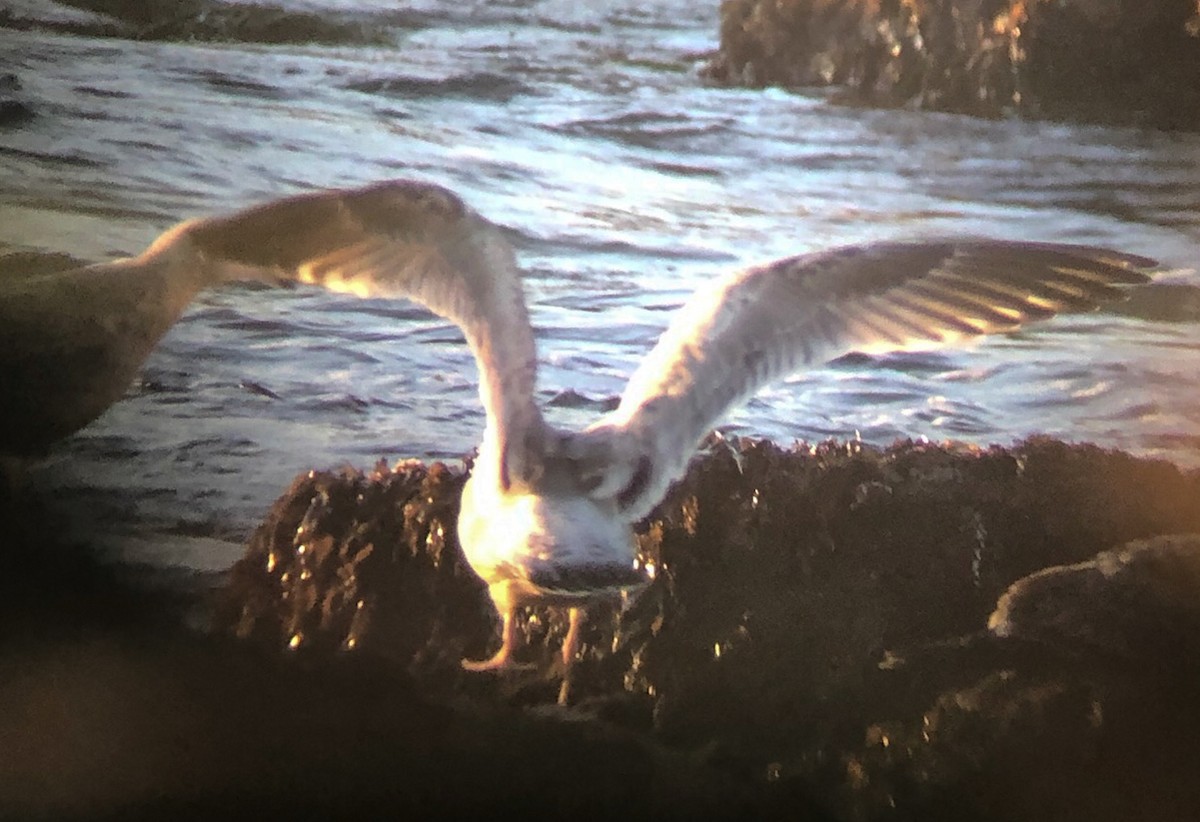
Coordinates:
626 182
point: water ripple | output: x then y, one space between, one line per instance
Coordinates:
623 182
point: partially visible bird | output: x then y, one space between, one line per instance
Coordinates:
547 515
72 341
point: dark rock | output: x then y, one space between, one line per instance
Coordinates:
814 629
1136 604
1112 61
114 710
352 561
1081 705
1090 60
813 646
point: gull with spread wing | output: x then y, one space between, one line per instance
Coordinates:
547 516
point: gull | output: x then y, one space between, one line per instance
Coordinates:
547 516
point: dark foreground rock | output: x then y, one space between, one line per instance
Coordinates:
816 628
111 709
815 645
1108 61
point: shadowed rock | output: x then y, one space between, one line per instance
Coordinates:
114 710
812 646
1136 603
347 560
815 623
1080 705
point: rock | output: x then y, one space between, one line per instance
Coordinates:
814 631
353 561
1089 60
1079 705
113 709
813 646
1139 603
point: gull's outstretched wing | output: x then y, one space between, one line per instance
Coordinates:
403 239
769 321
72 341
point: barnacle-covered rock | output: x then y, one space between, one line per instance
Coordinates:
815 643
816 620
1109 61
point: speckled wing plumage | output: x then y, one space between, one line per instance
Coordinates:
769 321
412 240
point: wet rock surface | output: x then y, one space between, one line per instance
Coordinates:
1116 62
834 632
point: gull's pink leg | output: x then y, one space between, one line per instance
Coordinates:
502 659
570 646
570 649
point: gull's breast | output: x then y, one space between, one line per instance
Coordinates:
563 549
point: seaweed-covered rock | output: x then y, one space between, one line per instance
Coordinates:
815 627
346 558
1122 61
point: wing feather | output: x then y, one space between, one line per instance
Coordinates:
411 240
766 322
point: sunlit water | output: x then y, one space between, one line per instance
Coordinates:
626 182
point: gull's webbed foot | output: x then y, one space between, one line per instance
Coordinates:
502 660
